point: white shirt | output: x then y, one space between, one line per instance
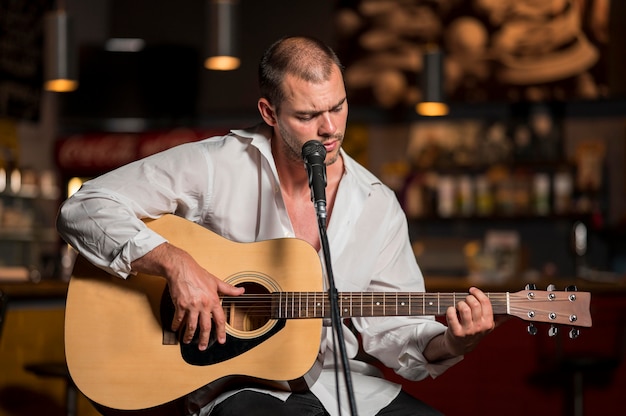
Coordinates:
230 185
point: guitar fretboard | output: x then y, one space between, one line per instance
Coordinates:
291 305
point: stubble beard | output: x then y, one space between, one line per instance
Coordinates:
293 148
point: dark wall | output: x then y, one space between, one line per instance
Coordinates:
177 87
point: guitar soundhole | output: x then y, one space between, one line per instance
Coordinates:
248 314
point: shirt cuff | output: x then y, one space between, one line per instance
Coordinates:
140 245
432 369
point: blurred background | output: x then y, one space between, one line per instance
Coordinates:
518 178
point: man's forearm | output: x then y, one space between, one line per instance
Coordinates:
159 261
438 349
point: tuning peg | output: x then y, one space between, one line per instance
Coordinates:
571 288
553 331
574 333
551 288
531 286
532 329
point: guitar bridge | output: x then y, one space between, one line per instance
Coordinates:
169 337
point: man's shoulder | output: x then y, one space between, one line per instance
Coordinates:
367 181
257 135
361 173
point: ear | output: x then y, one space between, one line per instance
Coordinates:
267 112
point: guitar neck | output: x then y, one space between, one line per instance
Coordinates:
569 307
293 305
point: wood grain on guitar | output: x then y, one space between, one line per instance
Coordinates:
121 354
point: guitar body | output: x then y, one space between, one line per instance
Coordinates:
121 355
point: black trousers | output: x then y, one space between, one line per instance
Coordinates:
252 403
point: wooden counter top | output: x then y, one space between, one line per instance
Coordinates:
54 289
42 290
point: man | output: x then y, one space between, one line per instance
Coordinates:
251 185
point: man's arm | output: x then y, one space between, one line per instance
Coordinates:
195 292
468 323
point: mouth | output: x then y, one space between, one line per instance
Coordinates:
330 145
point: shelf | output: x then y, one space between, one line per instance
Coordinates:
28 235
28 196
501 218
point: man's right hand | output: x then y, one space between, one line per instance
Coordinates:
195 292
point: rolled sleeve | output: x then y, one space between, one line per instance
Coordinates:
398 343
140 245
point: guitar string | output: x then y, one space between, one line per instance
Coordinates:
298 305
383 303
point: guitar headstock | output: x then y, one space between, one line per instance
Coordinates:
569 307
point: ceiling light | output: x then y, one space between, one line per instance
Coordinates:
223 33
60 63
433 101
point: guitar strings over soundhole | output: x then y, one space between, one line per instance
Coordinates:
247 313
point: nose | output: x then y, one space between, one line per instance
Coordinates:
327 126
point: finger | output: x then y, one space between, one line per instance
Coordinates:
475 308
178 319
205 331
483 299
190 329
453 320
228 289
487 316
219 320
465 314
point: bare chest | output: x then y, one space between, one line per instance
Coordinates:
303 219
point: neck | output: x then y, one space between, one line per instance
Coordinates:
292 174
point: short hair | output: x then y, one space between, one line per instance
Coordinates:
304 57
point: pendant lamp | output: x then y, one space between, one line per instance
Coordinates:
433 100
60 63
223 34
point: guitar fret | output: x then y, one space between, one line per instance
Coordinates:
390 307
403 304
301 309
349 309
396 295
377 305
437 308
351 306
361 304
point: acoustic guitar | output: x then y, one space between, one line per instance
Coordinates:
122 355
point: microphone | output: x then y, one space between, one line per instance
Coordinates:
314 153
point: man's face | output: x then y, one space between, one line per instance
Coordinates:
313 111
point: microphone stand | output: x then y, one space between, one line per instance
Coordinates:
335 316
